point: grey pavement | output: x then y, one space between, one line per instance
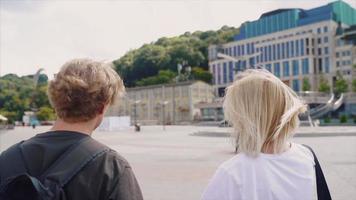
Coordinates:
176 164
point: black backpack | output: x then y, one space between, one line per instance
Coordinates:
49 186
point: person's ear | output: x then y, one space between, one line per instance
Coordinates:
101 109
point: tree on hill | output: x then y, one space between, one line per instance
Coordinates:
167 53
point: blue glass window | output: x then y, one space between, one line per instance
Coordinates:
235 51
326 39
278 51
243 49
214 74
286 68
305 66
319 30
274 52
252 48
296 85
265 53
269 53
326 50
327 65
297 48
277 69
283 51
302 47
219 74
291 48
287 47
225 73
261 54
231 71
248 48
268 67
239 50
295 67
325 29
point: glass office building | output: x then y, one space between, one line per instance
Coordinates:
294 44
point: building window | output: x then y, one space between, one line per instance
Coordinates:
319 51
325 29
214 74
305 66
337 64
269 53
283 51
268 67
326 50
296 85
219 74
319 30
286 68
265 53
238 50
291 48
235 51
326 39
276 69
302 47
248 48
337 54
327 65
278 51
274 52
296 48
243 49
319 40
231 72
287 47
224 73
295 67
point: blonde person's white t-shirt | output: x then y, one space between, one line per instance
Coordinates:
286 176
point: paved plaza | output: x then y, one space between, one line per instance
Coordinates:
176 164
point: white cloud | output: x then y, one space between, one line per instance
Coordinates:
45 34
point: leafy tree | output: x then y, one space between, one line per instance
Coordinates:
341 85
167 53
201 74
324 85
306 84
354 85
45 113
164 76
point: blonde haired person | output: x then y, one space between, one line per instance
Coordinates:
66 159
264 114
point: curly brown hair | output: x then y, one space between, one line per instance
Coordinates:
82 88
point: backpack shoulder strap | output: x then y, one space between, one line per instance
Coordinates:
73 160
322 187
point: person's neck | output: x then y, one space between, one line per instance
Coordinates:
82 127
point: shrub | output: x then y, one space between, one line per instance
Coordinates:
327 120
343 119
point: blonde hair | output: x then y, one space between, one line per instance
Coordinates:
263 111
83 87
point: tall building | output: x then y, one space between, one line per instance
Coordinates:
298 46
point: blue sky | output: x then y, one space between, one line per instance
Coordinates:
45 34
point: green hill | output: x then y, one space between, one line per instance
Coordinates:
156 62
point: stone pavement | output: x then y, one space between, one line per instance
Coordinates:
175 165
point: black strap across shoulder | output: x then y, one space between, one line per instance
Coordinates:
322 187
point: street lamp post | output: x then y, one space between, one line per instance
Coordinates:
164 103
136 102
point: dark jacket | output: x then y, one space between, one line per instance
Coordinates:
109 176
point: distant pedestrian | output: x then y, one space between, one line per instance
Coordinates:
268 166
66 162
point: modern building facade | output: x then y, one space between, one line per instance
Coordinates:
298 46
167 103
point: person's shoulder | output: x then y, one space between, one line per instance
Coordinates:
303 151
233 164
